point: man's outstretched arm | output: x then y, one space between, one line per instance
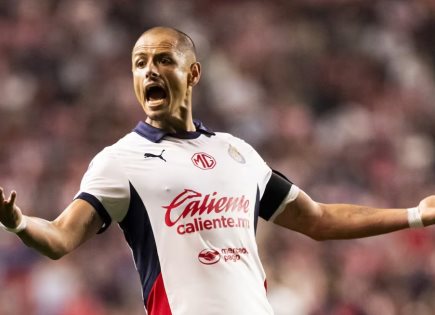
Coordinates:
54 239
346 221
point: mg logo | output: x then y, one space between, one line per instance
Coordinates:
203 161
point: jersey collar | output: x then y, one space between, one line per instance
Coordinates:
156 135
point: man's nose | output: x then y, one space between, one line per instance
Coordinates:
151 71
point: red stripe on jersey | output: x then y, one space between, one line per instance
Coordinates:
157 303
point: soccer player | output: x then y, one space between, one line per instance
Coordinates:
188 199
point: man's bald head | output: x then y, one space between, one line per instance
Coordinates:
171 37
165 71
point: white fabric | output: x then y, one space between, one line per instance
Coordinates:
414 218
189 213
105 179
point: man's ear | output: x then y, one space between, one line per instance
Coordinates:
195 73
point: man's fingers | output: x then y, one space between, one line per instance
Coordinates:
11 200
12 197
2 196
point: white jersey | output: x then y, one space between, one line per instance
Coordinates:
188 205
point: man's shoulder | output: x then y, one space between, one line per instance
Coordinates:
232 138
227 136
128 142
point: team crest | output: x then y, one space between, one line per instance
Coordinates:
236 155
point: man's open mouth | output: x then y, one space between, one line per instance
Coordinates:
155 93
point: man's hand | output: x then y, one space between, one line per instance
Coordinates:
10 214
54 239
427 210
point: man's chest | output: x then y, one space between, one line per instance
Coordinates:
189 186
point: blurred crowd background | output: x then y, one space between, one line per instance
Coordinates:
336 94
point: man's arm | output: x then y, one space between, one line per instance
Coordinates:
54 239
345 221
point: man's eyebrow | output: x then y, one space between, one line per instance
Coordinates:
168 53
160 54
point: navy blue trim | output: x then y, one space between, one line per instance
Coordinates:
256 209
98 206
276 190
156 135
139 235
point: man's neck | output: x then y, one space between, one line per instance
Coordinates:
173 125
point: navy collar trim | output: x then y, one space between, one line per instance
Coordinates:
156 135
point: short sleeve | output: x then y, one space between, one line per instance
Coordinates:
106 188
275 189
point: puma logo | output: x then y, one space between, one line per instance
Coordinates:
151 155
